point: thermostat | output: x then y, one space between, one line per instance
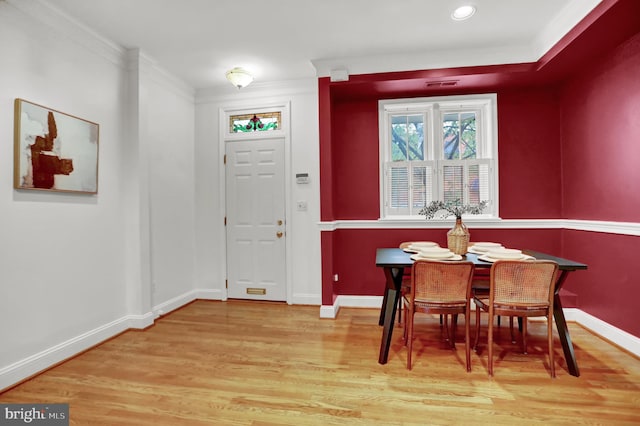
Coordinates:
302 177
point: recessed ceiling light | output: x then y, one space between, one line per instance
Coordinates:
463 12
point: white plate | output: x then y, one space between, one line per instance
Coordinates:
418 257
436 254
483 247
424 244
491 259
416 246
473 249
504 253
483 244
433 250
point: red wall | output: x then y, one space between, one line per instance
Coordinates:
355 160
529 154
601 138
601 174
568 148
609 289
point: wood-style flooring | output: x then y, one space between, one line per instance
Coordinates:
257 363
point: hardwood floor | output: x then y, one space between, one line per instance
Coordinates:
253 363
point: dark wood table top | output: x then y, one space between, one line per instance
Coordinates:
398 258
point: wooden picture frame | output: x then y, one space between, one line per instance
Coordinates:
54 151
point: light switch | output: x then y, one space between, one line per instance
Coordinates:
302 206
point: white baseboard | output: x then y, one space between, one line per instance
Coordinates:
619 337
173 304
331 311
185 298
625 340
27 367
34 364
306 299
208 294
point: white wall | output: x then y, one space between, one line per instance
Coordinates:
303 248
78 269
61 267
170 133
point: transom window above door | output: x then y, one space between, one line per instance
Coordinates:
441 148
257 122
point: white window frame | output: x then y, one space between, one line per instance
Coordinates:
433 108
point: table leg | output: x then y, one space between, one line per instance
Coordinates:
388 312
383 310
387 331
563 330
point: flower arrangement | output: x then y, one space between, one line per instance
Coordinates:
454 208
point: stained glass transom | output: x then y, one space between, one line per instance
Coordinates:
255 122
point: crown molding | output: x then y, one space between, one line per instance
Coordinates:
574 12
561 26
227 93
57 22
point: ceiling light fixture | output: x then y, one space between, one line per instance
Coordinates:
239 77
463 12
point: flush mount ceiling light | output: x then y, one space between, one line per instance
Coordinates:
239 77
463 12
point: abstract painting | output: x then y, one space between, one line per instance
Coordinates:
54 151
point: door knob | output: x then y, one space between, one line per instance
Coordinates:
279 234
279 223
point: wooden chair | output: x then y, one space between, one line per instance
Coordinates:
521 288
480 282
406 283
439 288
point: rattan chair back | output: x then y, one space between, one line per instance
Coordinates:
520 288
523 283
439 287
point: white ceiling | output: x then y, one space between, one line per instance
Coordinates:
199 40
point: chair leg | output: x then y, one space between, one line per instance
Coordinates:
475 344
467 343
400 303
404 332
454 327
490 344
524 335
446 327
409 320
404 327
513 339
550 342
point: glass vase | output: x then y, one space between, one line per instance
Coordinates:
458 238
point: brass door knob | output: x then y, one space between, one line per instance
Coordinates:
279 234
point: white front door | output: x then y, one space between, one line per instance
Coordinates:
255 200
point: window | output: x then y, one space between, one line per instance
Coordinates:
437 149
254 123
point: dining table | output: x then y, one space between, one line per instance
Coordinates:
394 260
